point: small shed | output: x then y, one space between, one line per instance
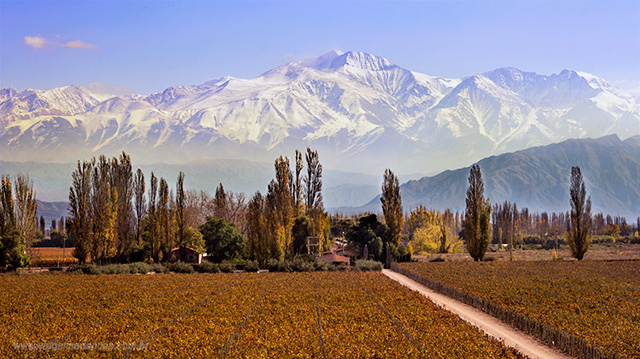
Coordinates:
333 258
185 254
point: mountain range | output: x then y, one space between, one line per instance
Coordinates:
360 111
538 178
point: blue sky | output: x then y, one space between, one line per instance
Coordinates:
148 46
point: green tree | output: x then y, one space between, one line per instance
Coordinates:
26 208
392 206
80 211
300 233
122 180
258 238
140 203
367 230
12 242
8 216
193 239
164 216
313 181
477 231
222 239
152 237
14 247
579 227
180 209
297 190
279 211
104 207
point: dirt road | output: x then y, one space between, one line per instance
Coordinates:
511 337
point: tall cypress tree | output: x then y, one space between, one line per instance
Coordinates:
477 231
392 206
79 210
140 204
103 211
180 215
122 180
152 219
579 227
26 208
220 205
297 185
313 181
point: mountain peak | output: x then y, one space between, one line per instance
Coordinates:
335 60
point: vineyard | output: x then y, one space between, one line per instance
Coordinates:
596 301
313 315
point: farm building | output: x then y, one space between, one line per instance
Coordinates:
331 257
185 254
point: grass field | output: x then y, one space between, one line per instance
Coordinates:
242 315
597 301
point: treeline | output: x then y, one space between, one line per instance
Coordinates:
115 217
434 231
102 221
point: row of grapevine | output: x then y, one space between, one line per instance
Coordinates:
568 343
307 315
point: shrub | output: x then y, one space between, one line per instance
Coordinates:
159 268
139 267
252 266
305 257
284 266
181 267
338 267
227 267
272 265
301 265
80 268
368 265
404 254
320 266
207 267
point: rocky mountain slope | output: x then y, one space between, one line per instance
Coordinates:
538 178
362 112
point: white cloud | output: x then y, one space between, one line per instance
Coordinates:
36 42
77 44
39 42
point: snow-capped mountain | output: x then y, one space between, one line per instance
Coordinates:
362 112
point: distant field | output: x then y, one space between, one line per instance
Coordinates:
243 315
49 256
597 301
597 252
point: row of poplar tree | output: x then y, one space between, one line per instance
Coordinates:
290 216
109 216
113 217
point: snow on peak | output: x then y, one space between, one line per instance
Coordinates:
595 81
367 61
336 60
323 62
